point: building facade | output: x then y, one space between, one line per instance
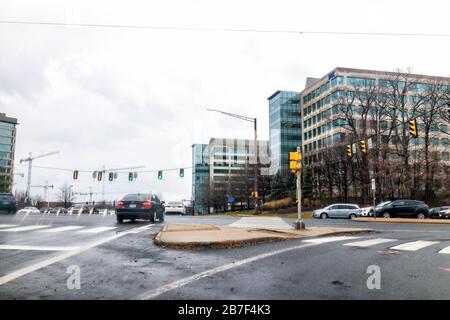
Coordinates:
223 172
7 150
347 106
285 128
331 101
200 177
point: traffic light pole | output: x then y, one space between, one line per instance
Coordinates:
299 224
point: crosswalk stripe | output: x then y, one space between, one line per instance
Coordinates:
36 248
7 225
97 230
62 229
414 246
26 228
445 250
330 239
368 243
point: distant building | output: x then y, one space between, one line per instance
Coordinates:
200 177
285 128
223 173
7 150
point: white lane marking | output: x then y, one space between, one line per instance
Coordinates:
414 246
62 229
368 243
36 248
329 239
26 228
445 250
97 230
142 228
34 267
180 283
7 225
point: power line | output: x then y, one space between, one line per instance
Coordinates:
237 30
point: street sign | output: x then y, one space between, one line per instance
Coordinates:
369 143
231 200
373 184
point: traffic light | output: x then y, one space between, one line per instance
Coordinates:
130 176
349 151
295 164
75 175
254 194
99 176
160 175
413 128
363 146
181 173
111 176
448 110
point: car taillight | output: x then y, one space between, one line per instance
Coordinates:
119 204
148 204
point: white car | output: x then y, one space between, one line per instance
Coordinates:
366 212
175 207
29 210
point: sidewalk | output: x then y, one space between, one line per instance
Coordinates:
196 236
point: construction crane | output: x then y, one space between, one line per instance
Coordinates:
30 165
46 186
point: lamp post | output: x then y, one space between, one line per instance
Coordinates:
248 119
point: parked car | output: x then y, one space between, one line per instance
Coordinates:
404 209
175 207
8 203
439 212
29 210
338 210
86 208
61 210
189 207
366 212
140 206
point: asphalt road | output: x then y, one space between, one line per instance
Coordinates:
38 255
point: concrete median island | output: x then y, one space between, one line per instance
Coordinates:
198 236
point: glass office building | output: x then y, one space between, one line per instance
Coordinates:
285 128
7 148
200 177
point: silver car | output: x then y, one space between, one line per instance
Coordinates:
338 210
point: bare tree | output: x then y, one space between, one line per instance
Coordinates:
65 196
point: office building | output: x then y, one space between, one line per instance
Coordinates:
285 128
7 149
200 177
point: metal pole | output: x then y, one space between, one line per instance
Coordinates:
28 195
103 188
299 224
255 169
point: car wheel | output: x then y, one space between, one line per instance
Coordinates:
386 215
323 215
421 215
352 216
153 217
119 219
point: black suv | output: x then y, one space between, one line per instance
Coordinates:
140 206
404 209
8 203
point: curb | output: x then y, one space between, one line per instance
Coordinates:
231 244
403 220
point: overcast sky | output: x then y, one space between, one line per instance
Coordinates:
127 97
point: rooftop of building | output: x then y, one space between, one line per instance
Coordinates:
4 118
280 91
331 74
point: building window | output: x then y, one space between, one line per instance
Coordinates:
445 156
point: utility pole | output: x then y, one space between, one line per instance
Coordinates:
30 165
255 167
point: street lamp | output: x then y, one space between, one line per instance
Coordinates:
248 119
